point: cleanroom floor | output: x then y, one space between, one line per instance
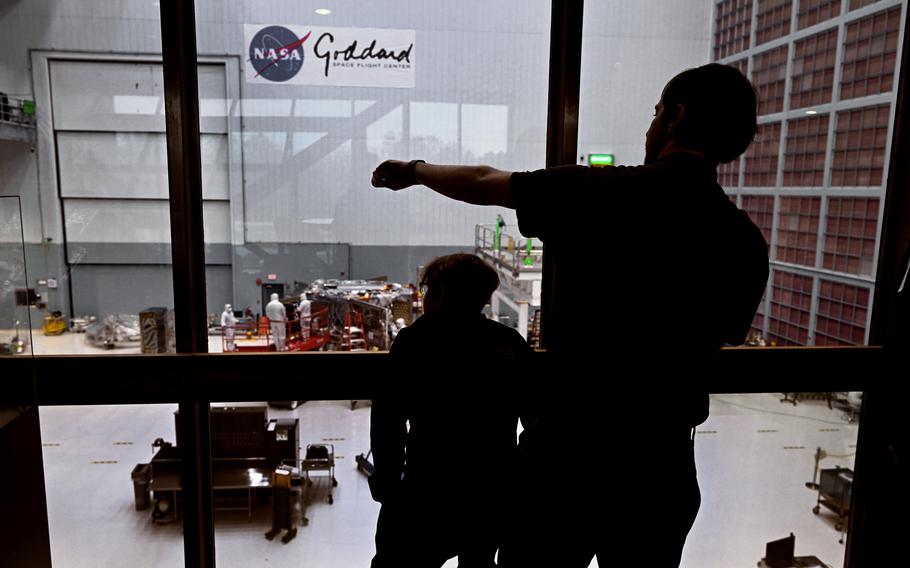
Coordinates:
754 456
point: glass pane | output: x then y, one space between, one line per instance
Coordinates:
16 298
813 182
770 465
303 131
814 178
106 505
83 145
289 470
816 175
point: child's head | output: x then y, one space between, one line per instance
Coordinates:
457 283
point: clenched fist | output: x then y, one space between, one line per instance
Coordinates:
394 174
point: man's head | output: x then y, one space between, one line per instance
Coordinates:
227 307
709 109
458 283
273 297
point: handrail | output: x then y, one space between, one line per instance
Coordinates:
147 379
484 243
17 111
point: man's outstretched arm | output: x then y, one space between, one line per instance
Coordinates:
477 185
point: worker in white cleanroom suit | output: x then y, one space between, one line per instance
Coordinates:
228 321
303 313
278 319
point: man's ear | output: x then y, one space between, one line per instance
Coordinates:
678 118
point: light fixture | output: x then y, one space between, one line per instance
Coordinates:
811 112
323 11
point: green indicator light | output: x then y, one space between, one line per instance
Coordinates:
600 160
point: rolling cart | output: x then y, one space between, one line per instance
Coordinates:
835 488
320 457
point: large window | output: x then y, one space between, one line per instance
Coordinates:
303 216
82 148
798 186
15 296
288 209
826 104
297 106
306 223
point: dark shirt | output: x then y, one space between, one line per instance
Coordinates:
656 269
453 389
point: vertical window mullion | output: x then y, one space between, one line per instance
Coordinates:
181 99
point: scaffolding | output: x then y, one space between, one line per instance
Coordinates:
520 266
17 119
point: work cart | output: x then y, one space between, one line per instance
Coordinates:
320 457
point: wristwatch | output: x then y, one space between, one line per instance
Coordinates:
411 170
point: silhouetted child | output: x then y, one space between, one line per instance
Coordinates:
444 442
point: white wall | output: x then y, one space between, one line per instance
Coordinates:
630 51
481 69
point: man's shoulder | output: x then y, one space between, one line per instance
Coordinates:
493 326
507 340
678 168
746 230
482 336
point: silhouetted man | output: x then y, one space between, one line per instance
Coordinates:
444 442
654 270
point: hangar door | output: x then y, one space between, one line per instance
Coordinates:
109 134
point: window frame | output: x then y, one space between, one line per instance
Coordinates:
195 379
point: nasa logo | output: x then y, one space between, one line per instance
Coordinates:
276 53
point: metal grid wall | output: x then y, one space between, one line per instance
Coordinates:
870 54
806 146
728 174
790 309
812 76
761 210
842 313
860 145
758 324
857 4
732 27
761 158
812 12
850 231
769 74
813 181
797 233
772 19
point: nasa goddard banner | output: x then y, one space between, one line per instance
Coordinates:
349 57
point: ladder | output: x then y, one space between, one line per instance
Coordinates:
353 338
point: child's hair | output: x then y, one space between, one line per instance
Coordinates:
464 281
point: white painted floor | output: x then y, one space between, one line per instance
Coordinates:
752 484
75 344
